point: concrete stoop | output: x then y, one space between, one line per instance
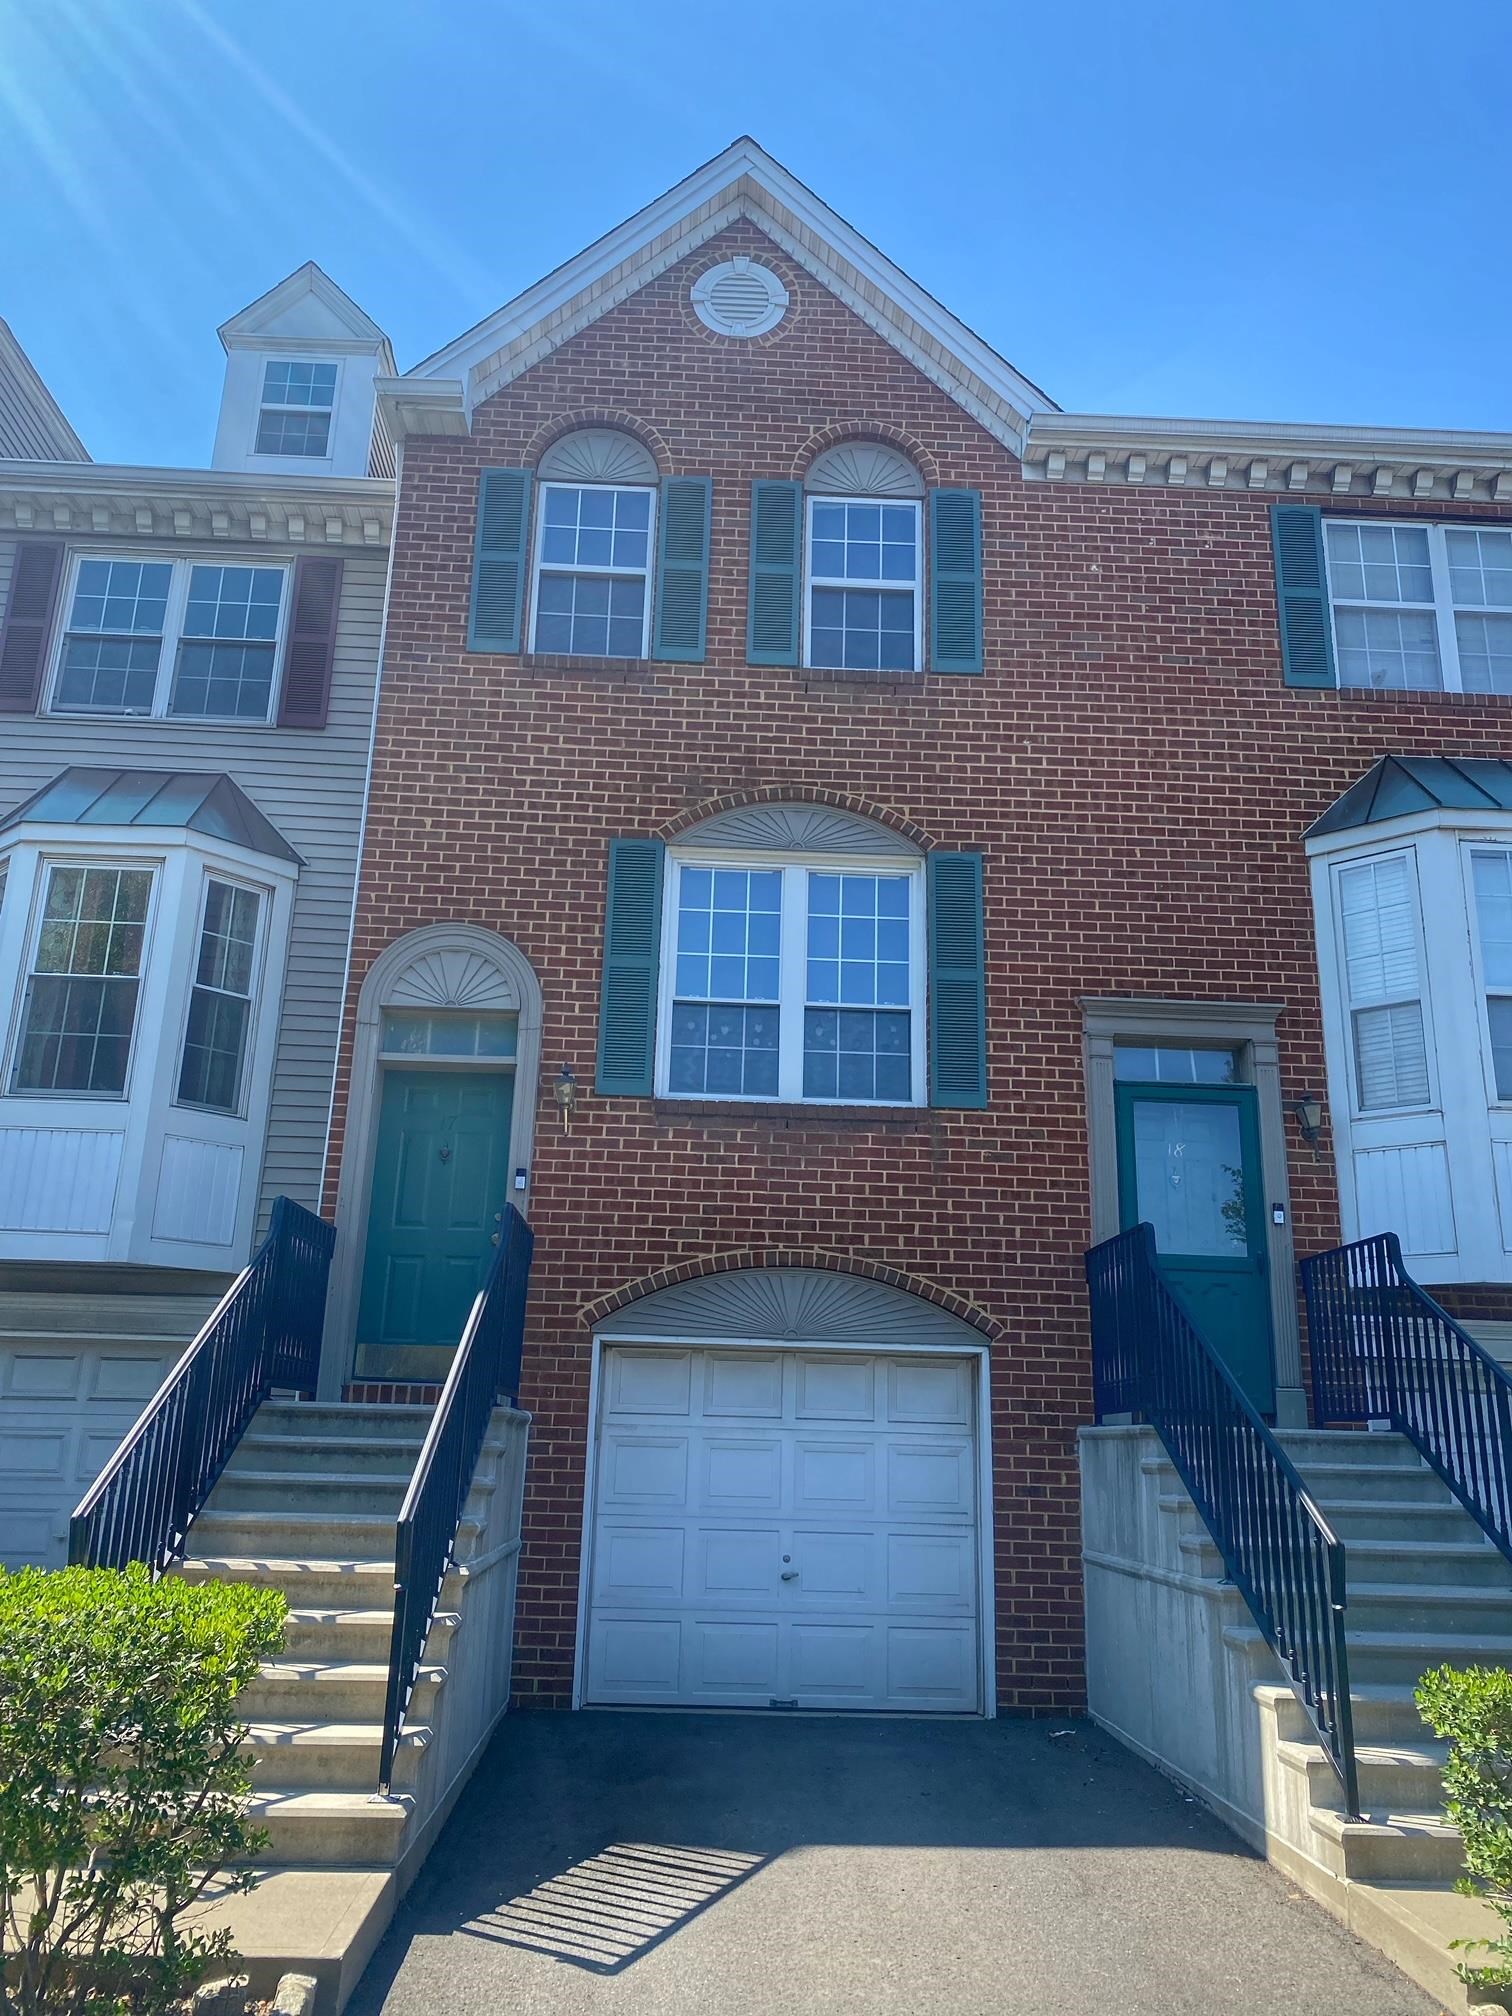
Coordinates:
1425 1587
308 1505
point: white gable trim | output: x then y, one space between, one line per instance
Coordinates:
745 182
252 325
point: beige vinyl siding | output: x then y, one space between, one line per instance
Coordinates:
309 782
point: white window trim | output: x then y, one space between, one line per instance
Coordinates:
172 636
793 975
812 581
49 860
1349 1007
538 566
264 894
1442 608
266 405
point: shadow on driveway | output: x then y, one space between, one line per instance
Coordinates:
730 1865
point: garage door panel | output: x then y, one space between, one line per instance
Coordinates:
744 1472
743 1384
642 1470
133 1379
35 1452
930 1477
45 1375
640 1564
830 1476
785 1526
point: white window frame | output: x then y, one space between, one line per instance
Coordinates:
1442 608
793 972
1349 1006
538 565
1468 849
172 638
48 862
811 581
266 405
210 873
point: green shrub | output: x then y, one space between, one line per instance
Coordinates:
1473 1710
122 1787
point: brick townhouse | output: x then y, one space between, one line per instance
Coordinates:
844 835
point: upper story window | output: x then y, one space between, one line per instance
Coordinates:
295 415
595 524
1421 607
169 637
79 1011
864 592
794 981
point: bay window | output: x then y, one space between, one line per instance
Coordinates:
220 1001
79 1011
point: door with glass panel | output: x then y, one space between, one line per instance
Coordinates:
1189 1165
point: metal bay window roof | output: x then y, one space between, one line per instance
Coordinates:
1397 786
199 801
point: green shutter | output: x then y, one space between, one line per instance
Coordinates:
498 583
776 573
955 580
632 953
1302 595
682 569
957 982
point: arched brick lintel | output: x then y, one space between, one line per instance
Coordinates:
797 794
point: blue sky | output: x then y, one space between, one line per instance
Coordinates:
1260 209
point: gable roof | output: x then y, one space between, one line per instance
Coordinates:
307 306
743 181
201 801
33 426
1398 785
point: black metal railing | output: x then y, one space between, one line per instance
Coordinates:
487 1365
1151 1361
264 1332
1383 1350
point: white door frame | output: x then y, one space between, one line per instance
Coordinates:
986 1604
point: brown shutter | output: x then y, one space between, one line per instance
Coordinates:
312 644
28 624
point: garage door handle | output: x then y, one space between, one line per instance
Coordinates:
790 1574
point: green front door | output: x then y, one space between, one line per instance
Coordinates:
1189 1164
440 1181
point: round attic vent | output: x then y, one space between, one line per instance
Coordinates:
740 299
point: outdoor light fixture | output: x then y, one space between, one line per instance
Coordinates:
1309 1112
566 1095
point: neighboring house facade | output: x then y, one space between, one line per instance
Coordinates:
837 846
187 673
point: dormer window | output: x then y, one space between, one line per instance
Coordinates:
295 416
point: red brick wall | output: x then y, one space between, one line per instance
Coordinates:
1131 766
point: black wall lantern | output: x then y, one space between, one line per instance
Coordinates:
1309 1112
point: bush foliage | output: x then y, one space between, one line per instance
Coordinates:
1472 1709
122 1784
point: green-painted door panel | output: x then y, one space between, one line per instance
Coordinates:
440 1179
1189 1164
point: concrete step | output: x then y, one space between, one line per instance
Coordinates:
321 1492
1401 1847
1393 1777
345 1418
1344 1445
1473 1564
1396 1483
306 1580
344 1690
323 1829
1469 1609
290 1536
1385 1715
331 1756
371 1455
1376 1519
331 1635
1403 1657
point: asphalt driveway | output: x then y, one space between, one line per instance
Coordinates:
735 1865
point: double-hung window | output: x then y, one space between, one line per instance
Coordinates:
865 592
593 569
1491 883
79 1011
295 415
795 982
1421 607
180 638
1381 959
220 1000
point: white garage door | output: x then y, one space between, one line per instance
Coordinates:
63 1409
785 1528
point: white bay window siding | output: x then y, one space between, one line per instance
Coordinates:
1415 950
1422 607
309 785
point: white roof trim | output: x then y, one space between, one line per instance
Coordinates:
743 181
251 322
117 500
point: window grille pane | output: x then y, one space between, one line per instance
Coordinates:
724 1050
1378 907
220 1006
81 997
729 932
1390 652
857 1054
291 382
1480 568
1378 563
230 681
858 950
1391 1059
1491 876
239 602
862 629
864 542
1485 653
409 1033
121 597
1499 1015
108 675
594 615
281 433
1170 1063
